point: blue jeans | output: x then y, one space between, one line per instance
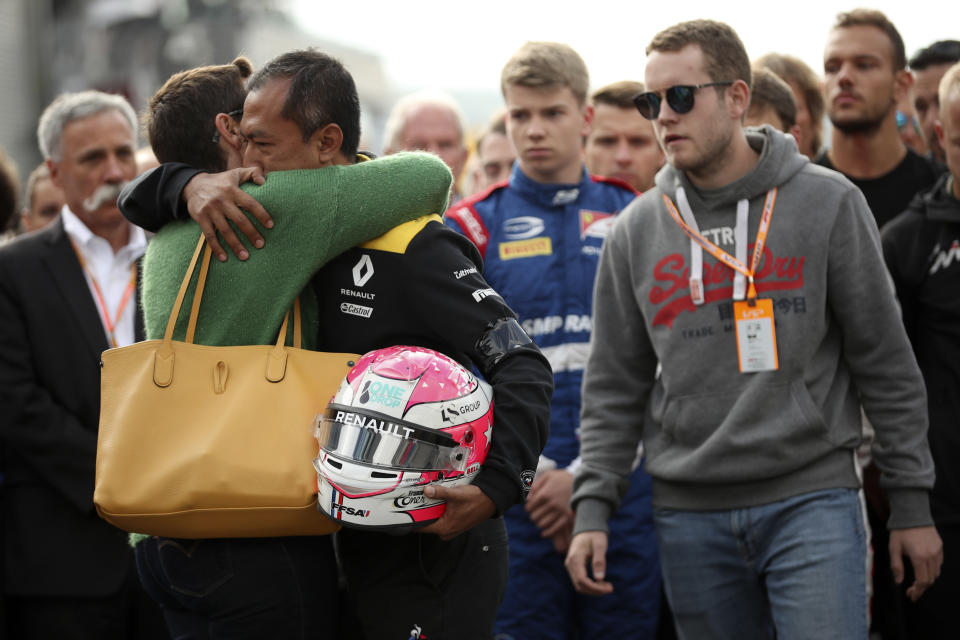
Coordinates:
796 566
282 588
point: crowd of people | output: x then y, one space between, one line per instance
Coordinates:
755 443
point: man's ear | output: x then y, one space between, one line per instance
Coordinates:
587 127
54 169
327 141
938 127
903 81
229 130
738 99
795 132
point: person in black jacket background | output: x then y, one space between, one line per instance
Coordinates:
922 250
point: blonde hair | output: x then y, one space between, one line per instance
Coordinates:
545 65
949 84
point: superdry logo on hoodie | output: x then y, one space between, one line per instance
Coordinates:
776 273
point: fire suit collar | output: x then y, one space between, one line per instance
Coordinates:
550 195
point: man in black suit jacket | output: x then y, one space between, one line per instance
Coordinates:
67 293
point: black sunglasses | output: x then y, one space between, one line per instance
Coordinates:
679 97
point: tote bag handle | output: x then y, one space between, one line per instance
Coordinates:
164 359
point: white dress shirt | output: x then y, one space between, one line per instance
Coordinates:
111 271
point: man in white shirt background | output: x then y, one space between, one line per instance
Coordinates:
67 293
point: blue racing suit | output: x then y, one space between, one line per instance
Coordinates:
540 245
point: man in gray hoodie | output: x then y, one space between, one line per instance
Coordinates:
768 345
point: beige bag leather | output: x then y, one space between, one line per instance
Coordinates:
211 442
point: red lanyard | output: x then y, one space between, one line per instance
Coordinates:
722 255
108 323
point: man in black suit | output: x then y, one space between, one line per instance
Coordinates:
67 293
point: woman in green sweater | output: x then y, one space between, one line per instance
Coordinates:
263 587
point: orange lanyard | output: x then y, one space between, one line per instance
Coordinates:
722 255
108 323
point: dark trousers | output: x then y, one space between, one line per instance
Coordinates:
417 585
129 614
238 588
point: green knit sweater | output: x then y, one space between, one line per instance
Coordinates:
317 215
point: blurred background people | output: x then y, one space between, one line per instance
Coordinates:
9 189
69 292
865 78
43 200
431 121
908 124
540 235
621 143
928 65
922 251
807 96
772 102
495 155
146 160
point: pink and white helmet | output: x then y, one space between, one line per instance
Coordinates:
403 418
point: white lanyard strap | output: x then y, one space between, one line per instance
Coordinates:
696 251
740 236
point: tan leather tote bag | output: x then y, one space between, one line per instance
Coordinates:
201 441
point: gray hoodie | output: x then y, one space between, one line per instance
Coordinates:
716 438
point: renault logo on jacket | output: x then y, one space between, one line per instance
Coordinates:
362 271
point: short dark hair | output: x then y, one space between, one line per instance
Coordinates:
770 91
619 94
940 52
874 18
322 92
9 188
724 55
796 72
180 117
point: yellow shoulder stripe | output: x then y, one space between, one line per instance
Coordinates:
397 239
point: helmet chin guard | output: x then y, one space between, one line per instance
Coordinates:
403 418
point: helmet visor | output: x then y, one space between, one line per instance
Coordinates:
374 439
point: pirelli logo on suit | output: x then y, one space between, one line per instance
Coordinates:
542 246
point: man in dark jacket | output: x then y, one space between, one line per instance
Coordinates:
922 250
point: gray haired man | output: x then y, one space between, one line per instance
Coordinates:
67 293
